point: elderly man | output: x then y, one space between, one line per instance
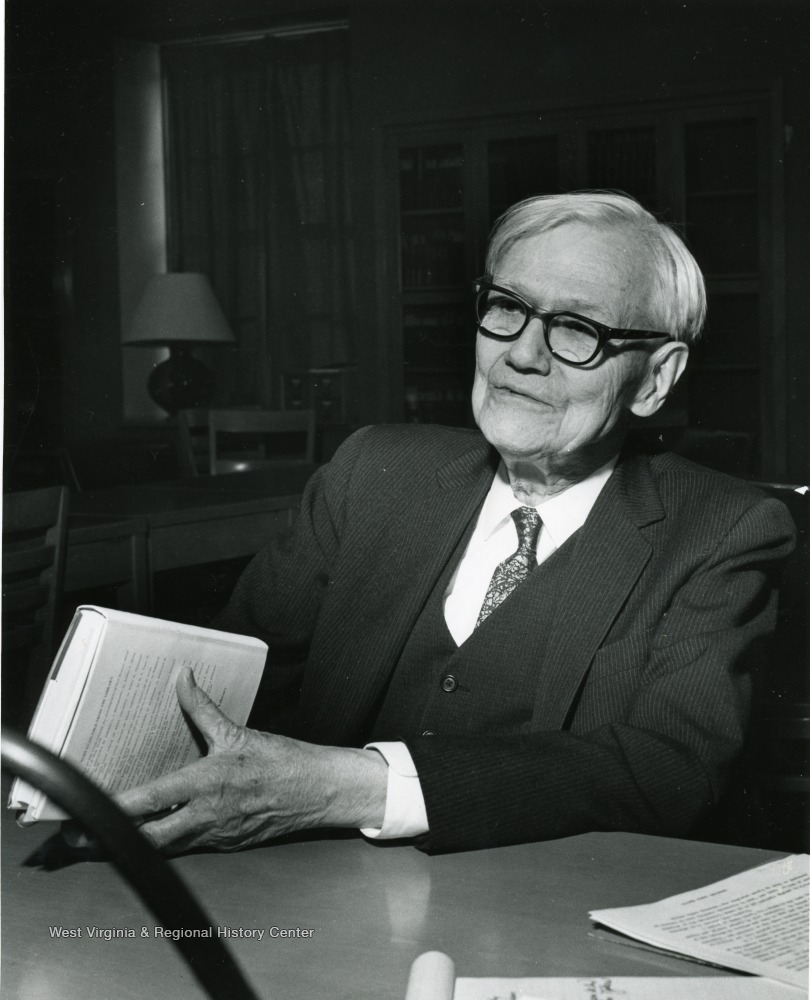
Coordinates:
482 639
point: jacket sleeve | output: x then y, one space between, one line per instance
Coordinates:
661 765
279 595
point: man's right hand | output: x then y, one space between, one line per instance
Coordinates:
252 786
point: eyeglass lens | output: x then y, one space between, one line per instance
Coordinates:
570 338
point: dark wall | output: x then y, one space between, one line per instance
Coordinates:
61 239
410 61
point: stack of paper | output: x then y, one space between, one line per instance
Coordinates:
756 922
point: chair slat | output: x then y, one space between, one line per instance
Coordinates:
27 599
28 559
22 637
192 442
26 511
260 426
34 538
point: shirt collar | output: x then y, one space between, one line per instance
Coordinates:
561 514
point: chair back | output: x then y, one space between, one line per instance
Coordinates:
192 442
731 452
242 440
34 534
33 468
792 640
783 748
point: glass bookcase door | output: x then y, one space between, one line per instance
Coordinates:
624 159
722 215
432 216
520 167
706 166
437 345
438 348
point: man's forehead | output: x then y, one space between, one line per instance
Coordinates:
585 266
616 246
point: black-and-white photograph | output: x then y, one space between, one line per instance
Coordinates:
406 494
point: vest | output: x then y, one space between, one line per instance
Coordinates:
438 687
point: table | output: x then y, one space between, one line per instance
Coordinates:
126 534
518 911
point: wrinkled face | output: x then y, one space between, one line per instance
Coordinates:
529 404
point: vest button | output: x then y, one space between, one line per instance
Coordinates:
429 732
449 683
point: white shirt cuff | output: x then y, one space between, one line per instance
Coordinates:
405 814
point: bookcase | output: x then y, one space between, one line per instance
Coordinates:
433 265
729 230
709 165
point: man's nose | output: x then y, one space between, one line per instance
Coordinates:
530 351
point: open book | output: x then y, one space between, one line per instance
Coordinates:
109 704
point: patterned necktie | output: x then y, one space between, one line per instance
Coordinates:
517 567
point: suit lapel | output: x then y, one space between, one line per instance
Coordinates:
417 544
611 553
425 537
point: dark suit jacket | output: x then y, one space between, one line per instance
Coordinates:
636 707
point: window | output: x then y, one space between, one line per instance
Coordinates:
258 182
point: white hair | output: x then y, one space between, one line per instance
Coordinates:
678 302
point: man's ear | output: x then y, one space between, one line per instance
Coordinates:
664 368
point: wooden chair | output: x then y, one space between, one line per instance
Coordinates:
241 440
783 747
727 451
34 534
792 640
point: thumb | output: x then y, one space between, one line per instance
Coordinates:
216 728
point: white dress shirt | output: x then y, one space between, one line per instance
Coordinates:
494 539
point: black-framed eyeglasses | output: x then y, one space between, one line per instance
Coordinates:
574 339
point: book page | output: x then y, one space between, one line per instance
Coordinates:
432 977
129 727
626 988
755 922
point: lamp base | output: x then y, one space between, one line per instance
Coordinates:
181 382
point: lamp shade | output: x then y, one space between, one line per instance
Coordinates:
178 308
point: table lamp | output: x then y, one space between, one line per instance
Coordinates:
178 311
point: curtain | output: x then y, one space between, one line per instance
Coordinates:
258 184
